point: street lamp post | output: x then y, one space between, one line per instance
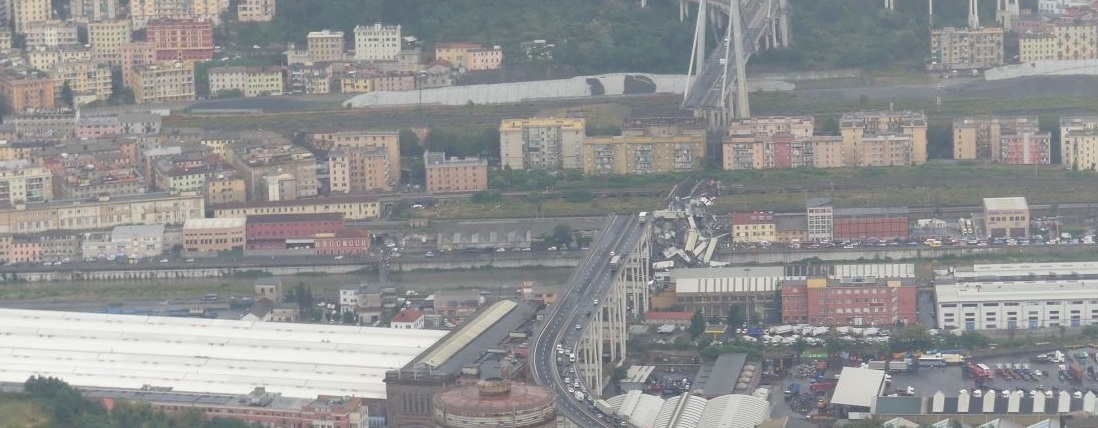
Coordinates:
421 79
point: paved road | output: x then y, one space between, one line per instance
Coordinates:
589 282
1026 87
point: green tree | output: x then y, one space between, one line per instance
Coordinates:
697 325
913 338
561 236
67 96
737 315
349 317
409 143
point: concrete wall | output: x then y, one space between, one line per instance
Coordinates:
1044 68
576 87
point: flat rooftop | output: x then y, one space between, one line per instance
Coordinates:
204 355
1005 204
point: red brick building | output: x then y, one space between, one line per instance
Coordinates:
181 39
271 232
674 318
346 242
863 223
866 301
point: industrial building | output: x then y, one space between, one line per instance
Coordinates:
850 301
859 224
464 357
1006 217
1009 305
204 355
688 410
496 402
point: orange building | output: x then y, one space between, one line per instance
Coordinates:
214 234
454 174
135 54
25 90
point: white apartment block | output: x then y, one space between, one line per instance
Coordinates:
542 143
377 42
143 11
1017 305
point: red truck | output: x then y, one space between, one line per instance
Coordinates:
1076 372
824 385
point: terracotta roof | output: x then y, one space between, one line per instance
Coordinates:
407 316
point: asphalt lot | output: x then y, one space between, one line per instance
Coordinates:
950 381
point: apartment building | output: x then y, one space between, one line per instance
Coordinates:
304 79
883 138
966 48
782 151
250 81
207 235
1026 147
25 12
797 126
94 10
628 154
484 59
107 38
454 53
22 182
451 175
143 11
542 143
469 56
133 55
754 227
325 46
24 90
1079 142
1076 41
980 138
377 42
291 169
1039 46
225 188
44 58
53 125
181 39
1006 217
163 83
50 34
389 140
255 10
821 219
90 81
102 213
360 170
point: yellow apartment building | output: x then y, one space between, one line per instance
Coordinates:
90 81
326 45
1038 47
164 83
862 130
627 155
389 140
1079 142
24 12
107 38
1076 41
255 10
106 212
979 138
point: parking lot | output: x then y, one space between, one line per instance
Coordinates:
950 380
